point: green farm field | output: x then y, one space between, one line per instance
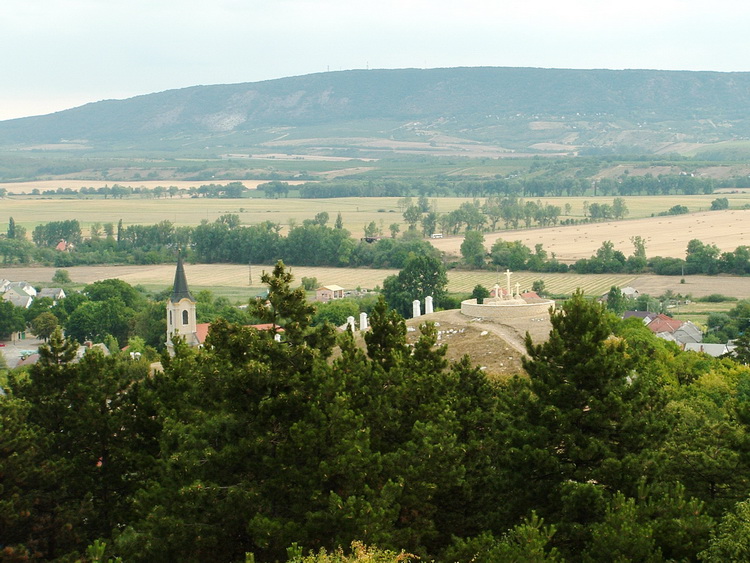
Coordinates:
698 313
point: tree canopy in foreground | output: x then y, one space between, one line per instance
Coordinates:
613 445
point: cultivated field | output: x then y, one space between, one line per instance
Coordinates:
30 211
355 212
233 281
664 236
42 185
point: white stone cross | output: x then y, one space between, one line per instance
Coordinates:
507 275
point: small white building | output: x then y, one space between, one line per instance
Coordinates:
54 293
630 292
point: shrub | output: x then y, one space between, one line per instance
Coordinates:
715 298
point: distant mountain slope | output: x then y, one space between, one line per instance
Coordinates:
513 107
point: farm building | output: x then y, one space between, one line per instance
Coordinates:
22 288
627 292
64 246
18 297
327 293
54 293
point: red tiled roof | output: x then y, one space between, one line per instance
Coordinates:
663 323
267 326
201 329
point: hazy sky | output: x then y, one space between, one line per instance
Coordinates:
58 54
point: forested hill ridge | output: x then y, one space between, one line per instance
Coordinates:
523 110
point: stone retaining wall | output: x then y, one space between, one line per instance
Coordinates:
509 312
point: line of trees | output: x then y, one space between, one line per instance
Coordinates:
614 445
231 190
313 243
316 243
550 184
700 258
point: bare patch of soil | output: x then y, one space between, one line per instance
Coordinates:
496 348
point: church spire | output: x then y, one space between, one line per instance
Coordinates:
180 290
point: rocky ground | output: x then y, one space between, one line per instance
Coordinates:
496 348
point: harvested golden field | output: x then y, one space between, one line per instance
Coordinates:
226 279
664 236
356 212
185 211
233 281
42 185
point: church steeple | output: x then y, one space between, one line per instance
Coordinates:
180 289
181 318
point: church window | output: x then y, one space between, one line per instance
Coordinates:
184 317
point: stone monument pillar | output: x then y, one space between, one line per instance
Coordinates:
518 290
428 305
415 309
350 323
363 321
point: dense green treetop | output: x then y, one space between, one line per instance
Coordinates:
612 444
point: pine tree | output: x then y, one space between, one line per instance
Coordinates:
288 308
587 420
386 339
87 442
579 379
422 275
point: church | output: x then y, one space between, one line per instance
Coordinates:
181 319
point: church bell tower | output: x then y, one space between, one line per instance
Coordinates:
181 319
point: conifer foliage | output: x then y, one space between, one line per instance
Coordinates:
267 445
